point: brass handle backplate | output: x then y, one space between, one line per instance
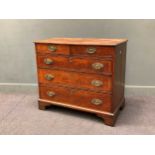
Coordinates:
52 48
91 50
51 93
96 101
49 76
97 66
48 61
97 83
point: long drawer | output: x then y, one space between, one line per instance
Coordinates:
74 79
81 98
79 64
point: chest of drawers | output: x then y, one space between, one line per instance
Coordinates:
84 74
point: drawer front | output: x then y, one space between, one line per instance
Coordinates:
82 98
102 51
75 64
76 80
52 49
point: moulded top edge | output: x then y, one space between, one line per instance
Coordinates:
83 41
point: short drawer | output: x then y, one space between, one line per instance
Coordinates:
78 64
76 80
52 49
81 98
97 51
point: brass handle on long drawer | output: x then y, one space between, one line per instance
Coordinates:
52 48
97 66
96 101
49 76
48 61
91 50
51 93
97 83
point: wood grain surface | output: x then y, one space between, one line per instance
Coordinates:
73 79
83 41
78 64
76 97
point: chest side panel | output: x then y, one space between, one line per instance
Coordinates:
119 76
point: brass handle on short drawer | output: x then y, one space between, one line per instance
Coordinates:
97 83
96 101
97 66
91 50
52 48
49 76
48 61
51 93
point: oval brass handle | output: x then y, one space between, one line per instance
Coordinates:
96 101
97 83
52 48
49 76
97 66
48 61
91 50
51 93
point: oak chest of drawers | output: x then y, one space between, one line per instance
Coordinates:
84 74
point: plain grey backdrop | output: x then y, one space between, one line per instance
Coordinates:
17 54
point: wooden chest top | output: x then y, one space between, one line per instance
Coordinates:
83 41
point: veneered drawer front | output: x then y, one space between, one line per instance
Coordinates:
52 49
97 51
75 64
81 98
74 79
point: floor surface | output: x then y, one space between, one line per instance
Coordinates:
19 115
